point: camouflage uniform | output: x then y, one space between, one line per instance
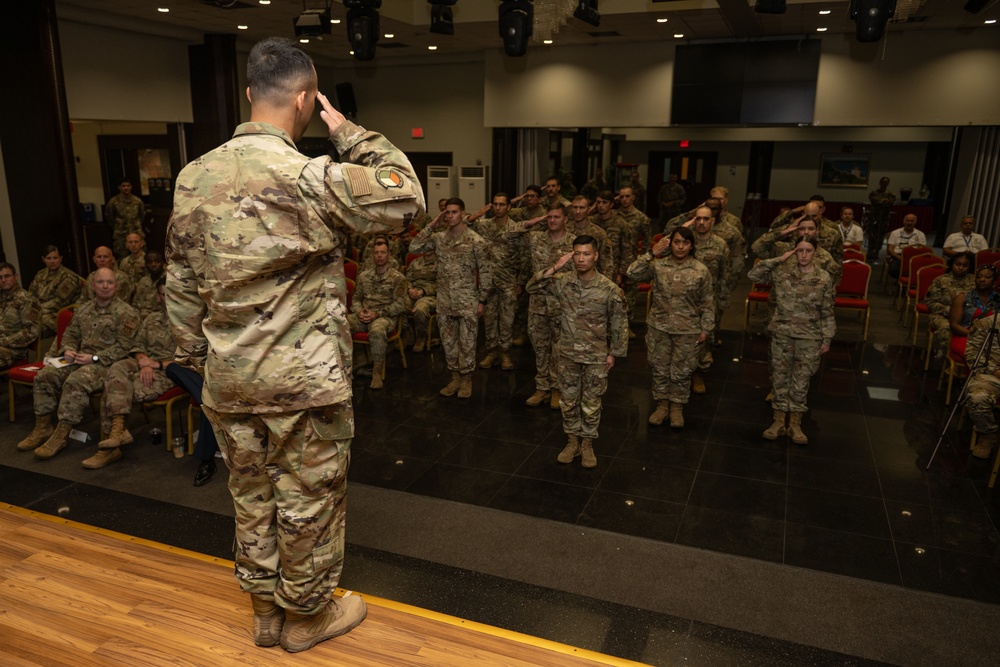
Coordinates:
144 300
123 290
422 274
123 384
877 223
940 296
54 290
459 258
384 294
395 252
521 213
983 389
125 215
107 332
771 245
260 308
592 326
605 262
803 321
733 236
19 324
543 311
505 253
714 254
683 309
134 268
635 231
612 229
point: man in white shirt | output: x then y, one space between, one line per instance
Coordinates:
907 235
850 230
965 240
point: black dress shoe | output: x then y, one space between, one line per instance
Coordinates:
205 472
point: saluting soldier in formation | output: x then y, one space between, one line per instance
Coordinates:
532 207
801 328
714 254
545 248
680 322
55 287
379 299
636 231
100 334
611 223
134 265
461 257
145 300
138 377
421 275
778 242
593 331
20 317
125 213
827 232
582 225
553 194
103 259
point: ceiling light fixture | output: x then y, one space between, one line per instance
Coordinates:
335 21
546 41
442 17
388 35
304 40
990 21
362 27
586 11
163 10
515 21
678 35
870 17
820 29
264 2
824 12
432 48
662 20
241 27
313 22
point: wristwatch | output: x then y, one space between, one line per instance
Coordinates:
95 358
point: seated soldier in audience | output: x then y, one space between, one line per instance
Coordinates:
138 377
134 264
145 299
395 252
19 317
965 240
379 299
55 287
906 236
421 275
984 382
100 334
941 295
104 259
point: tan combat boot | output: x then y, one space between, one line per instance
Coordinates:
452 387
770 396
554 399
102 458
119 434
676 415
339 617
43 429
55 443
505 361
268 619
570 451
984 445
465 386
489 360
536 399
777 428
587 458
418 344
378 368
661 412
519 341
795 428
697 383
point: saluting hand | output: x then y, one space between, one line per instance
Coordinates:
661 246
793 226
329 115
688 223
787 254
534 221
562 261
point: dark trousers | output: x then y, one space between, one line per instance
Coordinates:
192 382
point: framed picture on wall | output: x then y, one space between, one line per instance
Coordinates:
844 170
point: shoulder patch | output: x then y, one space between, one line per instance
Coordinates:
389 178
360 185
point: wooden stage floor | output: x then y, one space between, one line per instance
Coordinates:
80 596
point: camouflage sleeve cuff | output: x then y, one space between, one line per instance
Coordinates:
345 136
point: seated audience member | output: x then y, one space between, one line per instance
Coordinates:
850 231
19 317
984 382
379 299
134 264
941 294
55 287
138 377
102 332
965 240
145 299
103 259
904 237
970 306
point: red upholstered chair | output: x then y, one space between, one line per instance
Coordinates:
361 337
759 293
916 265
350 269
24 373
955 364
166 400
903 283
852 292
852 246
410 256
988 256
350 292
851 253
924 278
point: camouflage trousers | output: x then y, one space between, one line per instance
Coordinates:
422 311
10 355
67 390
121 231
630 289
793 362
458 338
672 359
498 320
288 479
543 331
581 387
123 385
940 328
983 392
378 330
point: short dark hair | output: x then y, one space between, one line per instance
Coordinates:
968 255
153 254
277 68
810 239
455 201
8 265
553 177
380 240
586 239
501 194
123 181
606 195
49 249
686 234
818 198
537 189
559 207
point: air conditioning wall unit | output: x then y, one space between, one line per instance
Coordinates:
472 186
440 185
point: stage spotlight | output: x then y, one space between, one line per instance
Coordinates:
312 23
976 6
442 17
770 6
362 27
516 18
586 11
870 17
